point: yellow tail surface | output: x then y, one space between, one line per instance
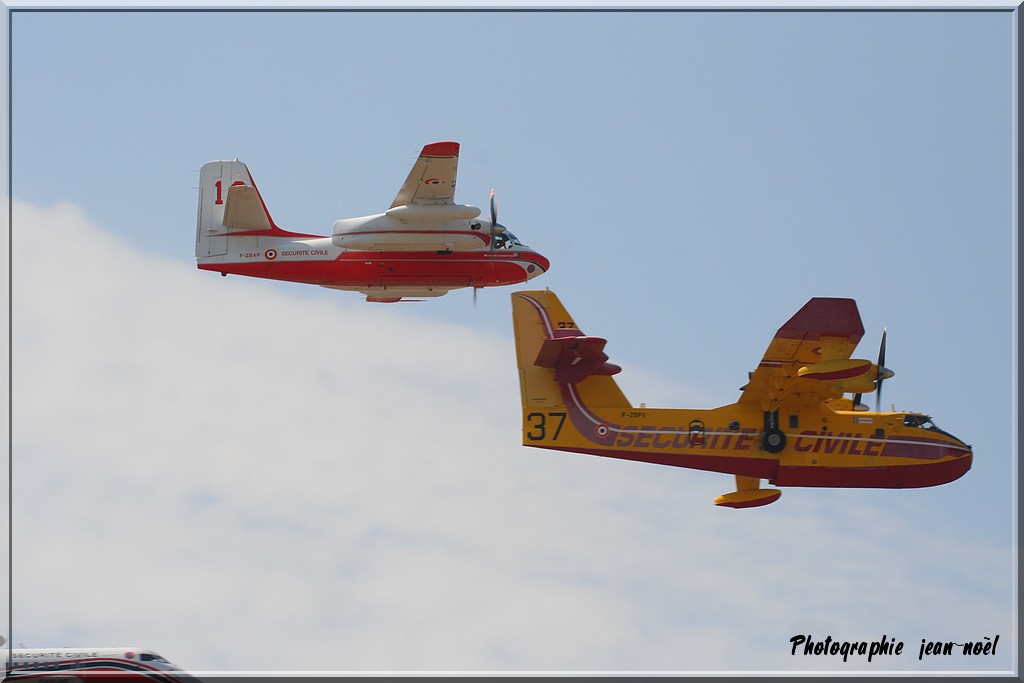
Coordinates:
537 316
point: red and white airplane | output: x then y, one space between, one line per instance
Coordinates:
425 245
90 665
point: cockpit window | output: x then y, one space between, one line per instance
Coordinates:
924 422
506 240
146 657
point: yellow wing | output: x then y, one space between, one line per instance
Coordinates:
808 361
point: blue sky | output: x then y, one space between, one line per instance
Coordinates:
296 468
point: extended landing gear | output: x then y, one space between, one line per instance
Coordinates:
748 493
772 440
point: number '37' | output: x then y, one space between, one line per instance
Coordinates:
538 425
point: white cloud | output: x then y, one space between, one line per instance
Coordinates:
247 480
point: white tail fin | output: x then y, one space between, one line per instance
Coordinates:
228 202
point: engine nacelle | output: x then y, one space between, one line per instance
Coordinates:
434 212
848 374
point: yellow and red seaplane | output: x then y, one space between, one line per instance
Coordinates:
793 424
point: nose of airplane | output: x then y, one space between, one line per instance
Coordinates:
951 470
538 265
964 464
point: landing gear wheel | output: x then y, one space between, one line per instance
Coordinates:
773 440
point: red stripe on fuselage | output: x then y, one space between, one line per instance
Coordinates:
371 269
871 475
94 669
917 447
887 477
762 468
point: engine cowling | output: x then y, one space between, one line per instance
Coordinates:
401 232
848 374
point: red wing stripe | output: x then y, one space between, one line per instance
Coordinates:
839 374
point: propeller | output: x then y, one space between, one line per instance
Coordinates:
883 373
495 229
494 211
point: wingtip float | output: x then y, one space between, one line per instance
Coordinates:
423 245
791 426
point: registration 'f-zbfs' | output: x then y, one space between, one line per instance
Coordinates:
424 245
793 424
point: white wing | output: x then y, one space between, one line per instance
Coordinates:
432 178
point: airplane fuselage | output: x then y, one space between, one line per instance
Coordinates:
828 448
424 245
316 260
792 425
84 664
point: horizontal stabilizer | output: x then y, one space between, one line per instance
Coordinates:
244 209
574 356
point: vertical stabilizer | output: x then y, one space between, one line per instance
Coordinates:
228 202
553 352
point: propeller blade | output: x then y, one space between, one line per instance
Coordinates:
883 372
496 227
475 290
881 349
